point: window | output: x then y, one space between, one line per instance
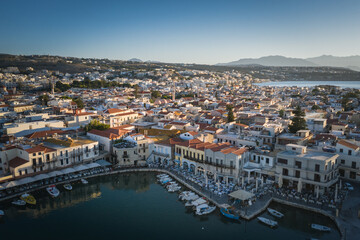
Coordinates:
39 153
298 164
25 171
61 162
285 172
297 173
283 161
34 154
341 150
349 152
267 160
342 172
317 168
342 161
353 175
353 165
316 177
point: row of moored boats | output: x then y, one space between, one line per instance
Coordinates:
27 198
199 204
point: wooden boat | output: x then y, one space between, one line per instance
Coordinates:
29 199
268 222
320 227
67 186
84 181
53 191
229 213
18 202
275 213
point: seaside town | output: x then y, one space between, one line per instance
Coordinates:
230 143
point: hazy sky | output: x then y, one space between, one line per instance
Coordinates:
180 31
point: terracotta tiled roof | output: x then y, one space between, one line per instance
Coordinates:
13 163
39 148
348 144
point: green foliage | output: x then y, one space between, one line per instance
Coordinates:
79 103
345 101
155 94
230 116
95 124
297 122
44 99
65 97
315 107
281 113
61 86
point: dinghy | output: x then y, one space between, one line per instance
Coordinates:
67 186
204 209
53 191
84 181
226 212
320 227
268 222
275 213
18 202
29 199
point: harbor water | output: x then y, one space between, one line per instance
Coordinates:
135 206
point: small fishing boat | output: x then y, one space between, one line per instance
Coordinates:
18 202
67 186
188 196
320 227
53 191
268 222
196 202
84 181
29 199
227 212
2 213
275 213
173 188
204 209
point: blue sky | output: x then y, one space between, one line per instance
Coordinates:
180 31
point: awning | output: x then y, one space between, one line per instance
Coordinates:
11 184
55 173
103 163
41 177
80 168
92 165
68 170
242 195
25 180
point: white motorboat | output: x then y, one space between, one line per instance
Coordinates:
268 222
204 209
162 175
53 191
188 196
196 202
320 227
2 213
84 181
67 186
173 188
18 202
275 213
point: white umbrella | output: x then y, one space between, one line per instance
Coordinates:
280 183
256 184
336 193
299 186
317 191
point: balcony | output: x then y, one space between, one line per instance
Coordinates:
194 159
38 165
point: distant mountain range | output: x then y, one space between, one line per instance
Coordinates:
351 62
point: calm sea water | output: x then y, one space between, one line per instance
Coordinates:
342 84
134 206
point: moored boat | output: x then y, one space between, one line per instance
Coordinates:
320 227
204 209
29 199
275 213
268 222
2 213
53 191
67 186
18 202
196 202
226 212
84 181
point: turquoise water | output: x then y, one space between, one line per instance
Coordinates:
134 206
342 84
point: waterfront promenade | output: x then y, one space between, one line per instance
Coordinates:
348 221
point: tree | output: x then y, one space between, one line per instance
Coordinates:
155 94
230 116
79 103
95 124
315 107
44 99
281 113
297 122
136 91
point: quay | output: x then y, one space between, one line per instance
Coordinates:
350 230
